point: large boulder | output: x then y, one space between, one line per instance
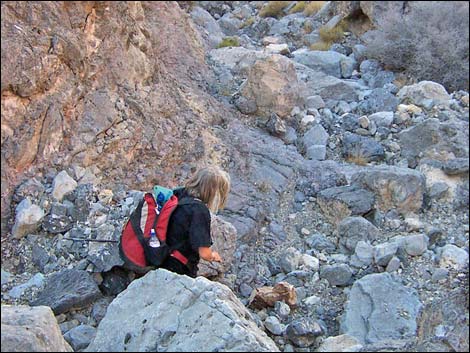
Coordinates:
436 140
224 236
167 311
26 329
424 94
402 189
343 201
27 219
351 230
68 289
380 309
272 84
328 87
329 62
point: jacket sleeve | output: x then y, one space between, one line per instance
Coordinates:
200 228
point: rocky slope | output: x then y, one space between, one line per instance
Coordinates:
347 184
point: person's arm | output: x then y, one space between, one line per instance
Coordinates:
207 254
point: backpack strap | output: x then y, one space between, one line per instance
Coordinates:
135 222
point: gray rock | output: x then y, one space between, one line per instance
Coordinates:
452 256
290 260
273 325
173 312
26 329
99 308
317 135
456 166
282 310
315 102
28 218
68 289
210 28
36 281
316 152
246 106
351 230
424 92
432 138
303 332
229 24
394 188
341 343
321 243
350 122
379 309
359 52
327 86
416 245
378 100
80 337
393 264
6 277
366 148
363 254
343 201
383 253
62 185
382 118
336 275
328 62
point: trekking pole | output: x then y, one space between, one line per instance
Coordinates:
94 240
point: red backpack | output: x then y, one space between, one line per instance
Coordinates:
134 249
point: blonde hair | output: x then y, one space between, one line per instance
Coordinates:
211 185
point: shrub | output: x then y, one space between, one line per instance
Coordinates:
299 7
273 8
307 27
229 42
320 46
248 22
332 35
430 42
313 7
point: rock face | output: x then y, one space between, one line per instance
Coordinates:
380 309
100 86
26 329
178 313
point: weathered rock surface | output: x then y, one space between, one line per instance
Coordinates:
380 309
26 329
68 289
399 188
183 314
273 85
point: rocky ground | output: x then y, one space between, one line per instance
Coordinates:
357 198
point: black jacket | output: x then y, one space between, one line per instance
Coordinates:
190 227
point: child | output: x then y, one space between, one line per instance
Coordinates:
189 225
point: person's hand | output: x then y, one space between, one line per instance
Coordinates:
216 257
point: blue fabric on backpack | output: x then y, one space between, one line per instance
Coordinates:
161 195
